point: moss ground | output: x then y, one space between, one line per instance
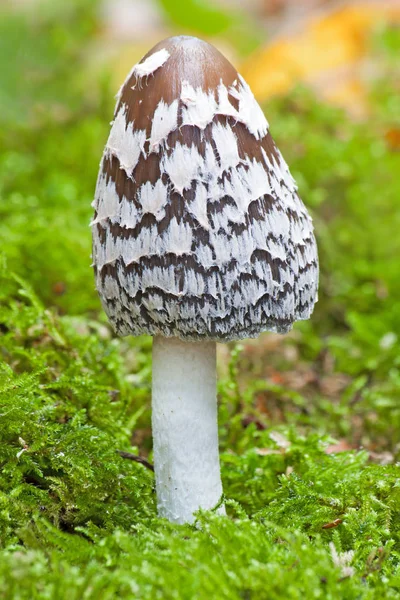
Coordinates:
309 422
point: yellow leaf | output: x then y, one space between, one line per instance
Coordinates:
325 53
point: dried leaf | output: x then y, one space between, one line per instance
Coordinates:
341 446
333 524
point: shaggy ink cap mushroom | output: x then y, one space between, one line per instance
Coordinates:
199 232
199 236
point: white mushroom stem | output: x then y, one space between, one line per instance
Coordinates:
185 430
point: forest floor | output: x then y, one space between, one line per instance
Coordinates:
309 422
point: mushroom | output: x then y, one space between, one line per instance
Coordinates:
199 237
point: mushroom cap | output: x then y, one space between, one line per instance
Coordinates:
198 230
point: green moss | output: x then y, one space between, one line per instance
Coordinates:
76 519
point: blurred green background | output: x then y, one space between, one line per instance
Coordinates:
309 422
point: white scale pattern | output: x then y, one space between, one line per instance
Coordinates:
125 143
165 121
144 69
201 107
221 308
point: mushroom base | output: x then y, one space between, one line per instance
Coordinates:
185 430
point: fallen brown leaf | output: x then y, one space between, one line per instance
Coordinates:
333 524
341 446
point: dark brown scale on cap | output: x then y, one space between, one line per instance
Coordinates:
198 230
